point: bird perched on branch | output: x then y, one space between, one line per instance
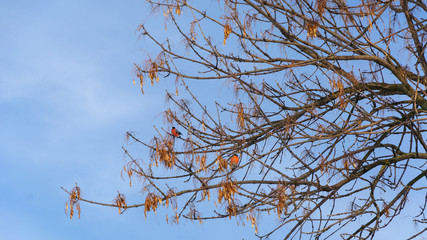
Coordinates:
234 161
175 133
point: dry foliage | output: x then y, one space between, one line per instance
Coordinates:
120 202
227 190
152 201
72 202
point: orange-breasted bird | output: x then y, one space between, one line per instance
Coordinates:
175 133
234 161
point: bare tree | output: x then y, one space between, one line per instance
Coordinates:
327 115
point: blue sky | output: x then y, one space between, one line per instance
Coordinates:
67 100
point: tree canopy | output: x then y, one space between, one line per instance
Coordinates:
327 115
